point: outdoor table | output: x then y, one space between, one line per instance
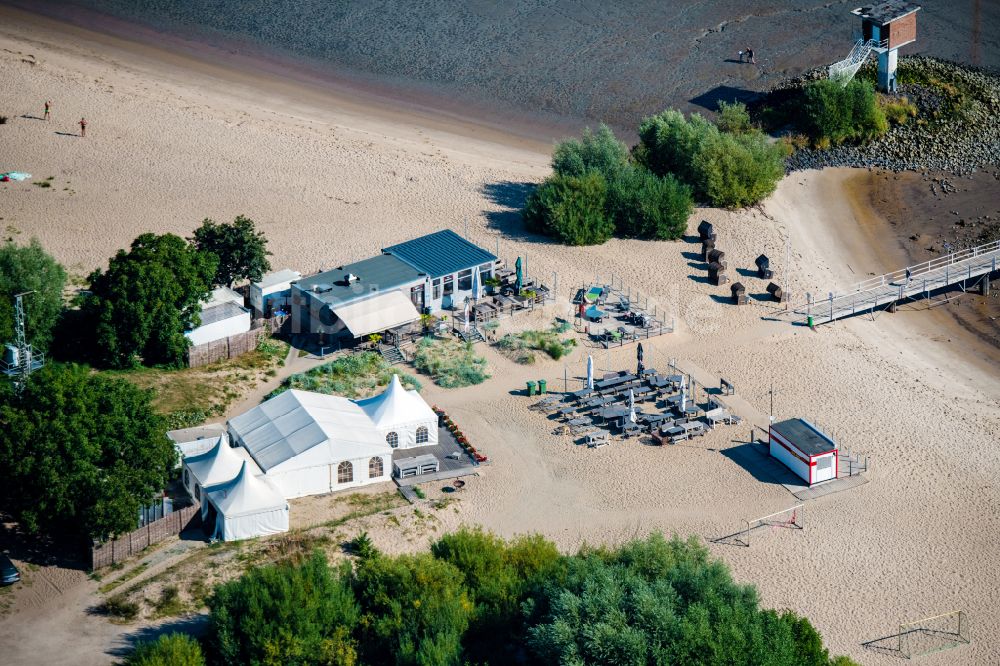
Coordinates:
676 379
582 393
641 391
631 429
613 413
653 419
648 371
568 410
659 381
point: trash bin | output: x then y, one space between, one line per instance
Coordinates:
541 387
809 321
531 389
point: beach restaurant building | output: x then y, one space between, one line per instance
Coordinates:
390 291
804 449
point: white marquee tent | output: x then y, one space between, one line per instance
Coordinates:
244 507
220 463
403 412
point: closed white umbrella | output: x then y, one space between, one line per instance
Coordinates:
684 402
475 283
631 406
468 309
590 373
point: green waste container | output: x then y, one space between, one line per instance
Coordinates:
541 387
531 389
809 320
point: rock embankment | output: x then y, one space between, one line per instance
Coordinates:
957 129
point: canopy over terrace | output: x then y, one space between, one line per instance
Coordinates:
379 313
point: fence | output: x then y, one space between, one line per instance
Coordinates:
111 552
226 348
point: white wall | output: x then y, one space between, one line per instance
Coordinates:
321 478
825 474
220 329
781 453
408 433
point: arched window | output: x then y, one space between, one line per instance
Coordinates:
422 435
197 492
187 477
345 472
392 439
375 468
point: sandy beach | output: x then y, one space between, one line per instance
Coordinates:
332 177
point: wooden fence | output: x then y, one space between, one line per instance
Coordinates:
108 553
235 345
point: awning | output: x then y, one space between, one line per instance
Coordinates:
377 314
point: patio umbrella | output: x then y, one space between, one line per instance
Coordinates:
468 312
475 283
590 373
684 398
638 356
582 310
518 280
631 406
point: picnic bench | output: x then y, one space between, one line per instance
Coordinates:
598 439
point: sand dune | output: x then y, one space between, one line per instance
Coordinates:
171 141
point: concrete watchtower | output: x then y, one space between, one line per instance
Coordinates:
888 26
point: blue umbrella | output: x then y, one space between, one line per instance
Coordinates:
518 279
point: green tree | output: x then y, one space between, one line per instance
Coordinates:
174 649
30 268
285 614
571 209
662 602
596 151
415 610
499 577
240 248
142 305
644 205
729 170
82 452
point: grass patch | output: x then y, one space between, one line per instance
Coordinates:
897 110
449 362
419 492
352 376
363 504
120 608
124 578
210 387
169 604
522 347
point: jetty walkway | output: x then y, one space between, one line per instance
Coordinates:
968 268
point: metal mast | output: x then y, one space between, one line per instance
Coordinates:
24 361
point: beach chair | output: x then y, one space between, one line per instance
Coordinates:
598 439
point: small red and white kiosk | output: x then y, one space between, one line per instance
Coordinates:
804 449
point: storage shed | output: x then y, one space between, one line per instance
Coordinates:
222 315
273 293
804 449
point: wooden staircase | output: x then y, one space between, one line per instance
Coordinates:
391 354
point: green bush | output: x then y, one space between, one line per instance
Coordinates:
897 110
840 113
729 170
450 363
596 151
521 346
733 118
119 607
285 614
352 376
644 205
571 209
175 649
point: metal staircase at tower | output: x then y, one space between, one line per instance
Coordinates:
845 70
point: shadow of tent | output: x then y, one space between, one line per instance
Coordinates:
710 98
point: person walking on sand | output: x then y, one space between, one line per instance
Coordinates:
48 106
750 56
83 126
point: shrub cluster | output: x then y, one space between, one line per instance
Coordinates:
730 169
831 113
476 598
597 191
352 376
450 363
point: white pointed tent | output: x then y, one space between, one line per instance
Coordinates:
404 413
246 506
220 463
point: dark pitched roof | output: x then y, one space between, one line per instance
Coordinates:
377 274
804 436
886 12
441 253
